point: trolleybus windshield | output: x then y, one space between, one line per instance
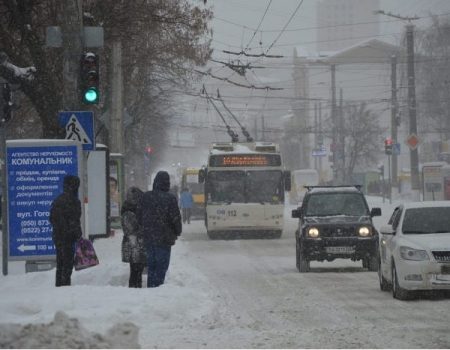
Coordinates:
239 186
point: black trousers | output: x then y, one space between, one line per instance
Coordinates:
136 270
186 215
64 264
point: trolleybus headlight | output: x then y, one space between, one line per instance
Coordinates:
364 231
313 232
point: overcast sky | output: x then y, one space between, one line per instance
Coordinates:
235 23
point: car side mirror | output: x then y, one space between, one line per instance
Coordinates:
287 180
201 176
387 230
296 213
375 212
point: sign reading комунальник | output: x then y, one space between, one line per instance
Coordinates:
34 172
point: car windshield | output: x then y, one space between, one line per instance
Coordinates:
426 220
329 204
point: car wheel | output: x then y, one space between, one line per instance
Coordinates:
302 262
372 263
276 234
397 291
211 235
384 285
297 252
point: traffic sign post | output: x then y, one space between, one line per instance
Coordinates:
79 126
412 141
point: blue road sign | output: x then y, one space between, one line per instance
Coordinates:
34 174
79 126
319 152
396 149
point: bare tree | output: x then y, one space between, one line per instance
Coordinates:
161 39
434 77
363 137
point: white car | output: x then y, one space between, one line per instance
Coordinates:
415 249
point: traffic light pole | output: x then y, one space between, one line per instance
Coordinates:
394 118
389 179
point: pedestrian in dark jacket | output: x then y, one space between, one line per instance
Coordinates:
161 220
65 215
133 247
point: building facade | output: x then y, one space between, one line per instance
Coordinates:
342 23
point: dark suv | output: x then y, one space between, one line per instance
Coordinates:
335 222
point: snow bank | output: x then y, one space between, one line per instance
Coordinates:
65 332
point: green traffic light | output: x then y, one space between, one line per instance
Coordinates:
91 95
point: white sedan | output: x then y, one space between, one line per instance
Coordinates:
415 249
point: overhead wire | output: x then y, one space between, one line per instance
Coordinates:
259 25
285 26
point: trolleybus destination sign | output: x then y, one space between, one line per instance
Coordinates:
236 160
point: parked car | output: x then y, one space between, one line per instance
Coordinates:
335 222
415 249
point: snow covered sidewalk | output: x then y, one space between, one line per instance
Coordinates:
99 299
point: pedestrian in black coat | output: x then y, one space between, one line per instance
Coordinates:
133 247
161 220
65 216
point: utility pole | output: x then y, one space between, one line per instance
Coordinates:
263 129
320 139
334 121
394 118
72 42
316 138
341 141
116 142
414 154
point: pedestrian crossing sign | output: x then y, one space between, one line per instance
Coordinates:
79 126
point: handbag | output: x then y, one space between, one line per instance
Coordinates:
85 255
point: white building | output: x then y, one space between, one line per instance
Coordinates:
343 23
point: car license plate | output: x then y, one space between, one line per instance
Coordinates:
445 269
340 250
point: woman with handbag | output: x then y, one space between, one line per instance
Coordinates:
133 247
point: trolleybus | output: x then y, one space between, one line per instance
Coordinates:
245 186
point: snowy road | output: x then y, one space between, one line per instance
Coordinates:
229 294
264 302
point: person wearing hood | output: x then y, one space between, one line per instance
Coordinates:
133 247
65 217
161 220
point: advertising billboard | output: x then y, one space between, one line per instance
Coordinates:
35 170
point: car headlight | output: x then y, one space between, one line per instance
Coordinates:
313 232
364 231
408 253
